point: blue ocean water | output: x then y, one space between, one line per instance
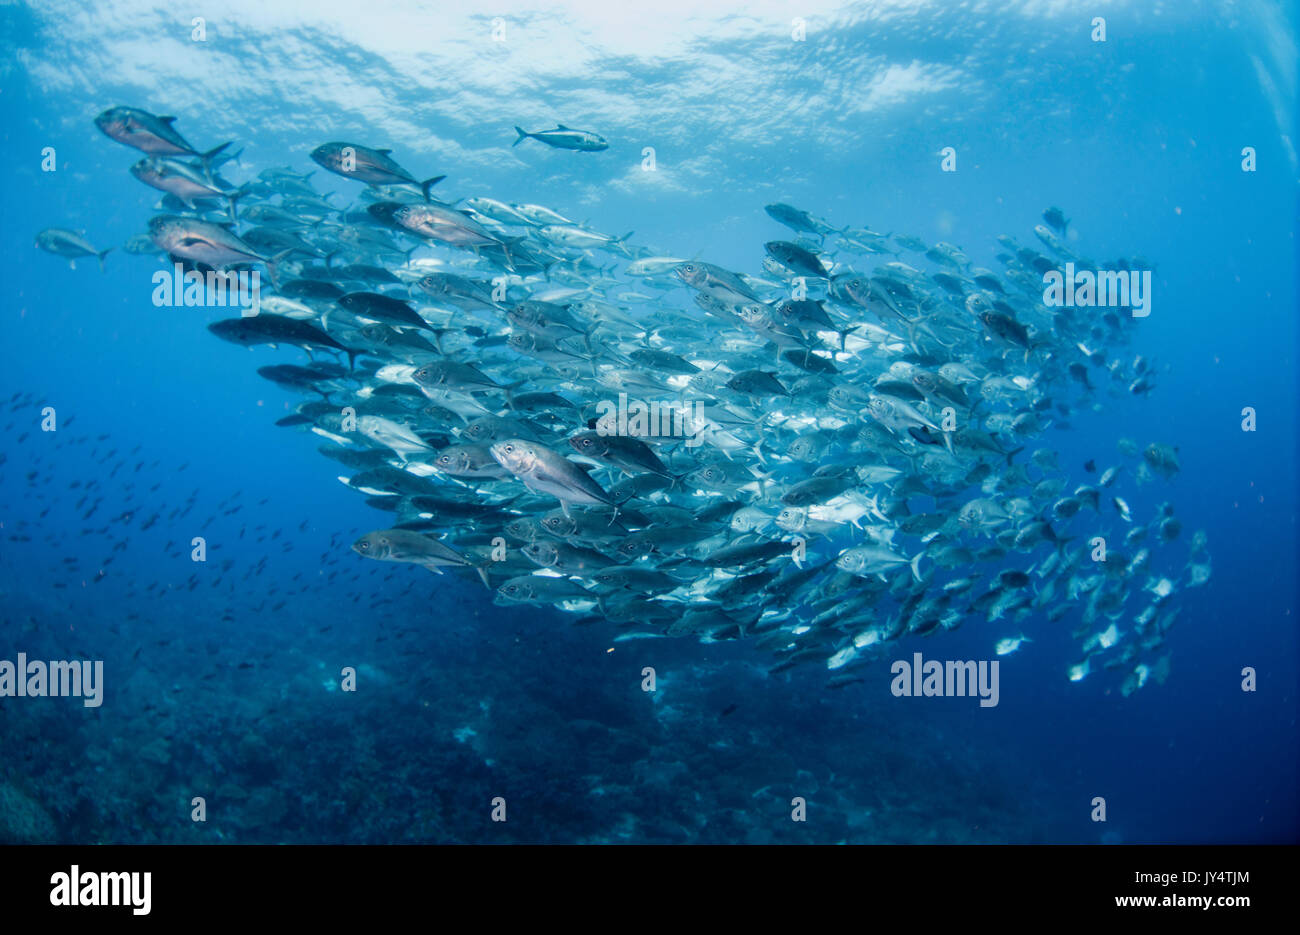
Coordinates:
221 680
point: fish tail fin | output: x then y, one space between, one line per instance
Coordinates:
273 264
483 575
100 256
911 329
763 477
621 243
915 565
618 504
591 354
506 243
1012 453
510 392
207 158
232 202
523 135
428 184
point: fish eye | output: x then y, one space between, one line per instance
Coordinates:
363 546
510 448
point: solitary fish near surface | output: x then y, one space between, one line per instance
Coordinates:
563 137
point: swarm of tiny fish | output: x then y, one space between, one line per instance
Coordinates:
825 457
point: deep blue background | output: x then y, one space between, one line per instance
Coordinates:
1138 141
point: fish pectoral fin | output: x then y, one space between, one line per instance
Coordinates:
915 564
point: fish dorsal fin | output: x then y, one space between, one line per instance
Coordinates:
560 126
167 120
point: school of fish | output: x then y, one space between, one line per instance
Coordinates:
824 457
